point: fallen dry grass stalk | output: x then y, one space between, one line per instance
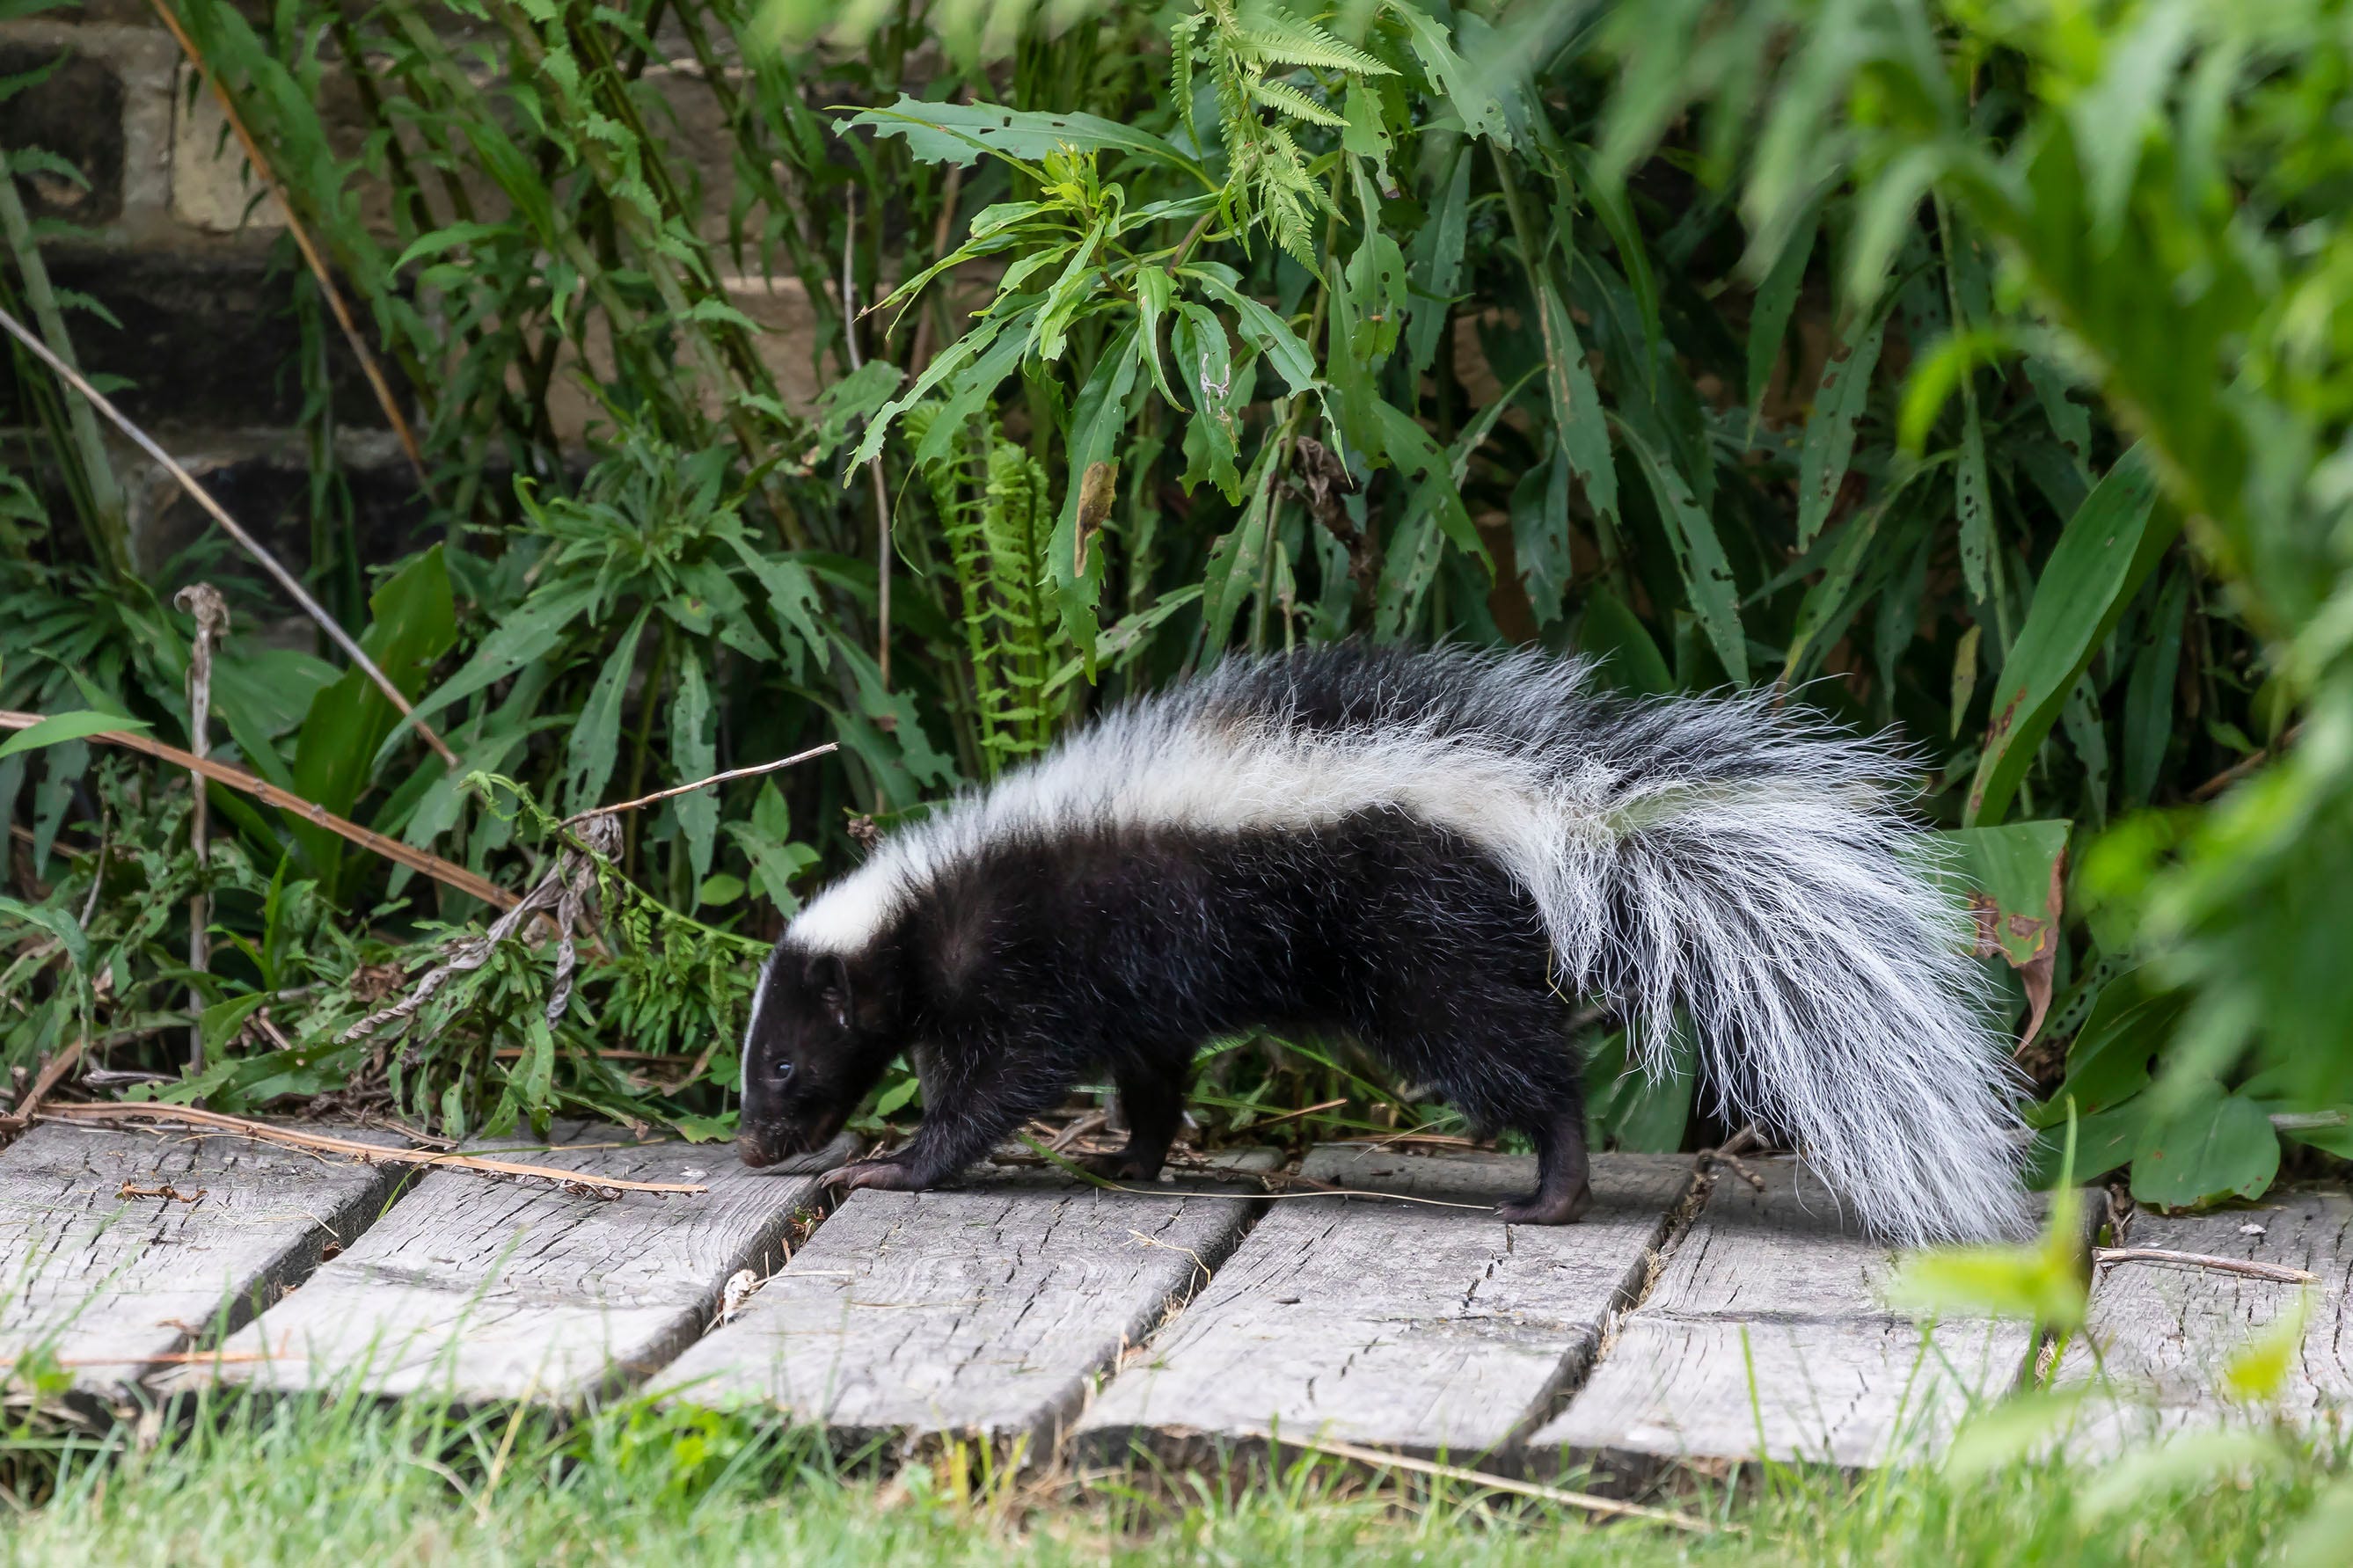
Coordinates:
442 871
368 1154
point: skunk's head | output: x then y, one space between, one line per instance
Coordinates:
819 1038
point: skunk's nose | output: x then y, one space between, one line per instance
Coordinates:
754 1151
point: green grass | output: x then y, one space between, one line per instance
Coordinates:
303 1481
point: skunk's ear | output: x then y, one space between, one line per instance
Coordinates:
833 977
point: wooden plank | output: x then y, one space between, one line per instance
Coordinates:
1431 1330
1766 1335
483 1290
983 1311
2165 1332
110 1284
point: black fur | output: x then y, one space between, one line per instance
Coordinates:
1041 962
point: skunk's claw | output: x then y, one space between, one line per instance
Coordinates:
1546 1207
886 1176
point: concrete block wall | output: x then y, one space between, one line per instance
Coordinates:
180 243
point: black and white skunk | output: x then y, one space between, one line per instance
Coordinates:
1438 854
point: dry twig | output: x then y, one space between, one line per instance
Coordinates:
565 890
203 601
2106 1256
51 1076
366 1153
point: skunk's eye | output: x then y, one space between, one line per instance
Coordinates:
779 1071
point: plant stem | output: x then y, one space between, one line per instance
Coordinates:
108 519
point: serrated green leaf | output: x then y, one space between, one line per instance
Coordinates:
1699 555
1839 401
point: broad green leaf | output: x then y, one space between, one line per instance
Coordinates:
1205 365
59 728
59 924
2105 1141
1699 557
695 756
2109 1061
792 600
2218 1146
1239 556
856 397
2011 876
962 132
1096 424
1154 298
528 633
596 741
2109 548
263 690
1261 328
350 724
2012 880
1471 94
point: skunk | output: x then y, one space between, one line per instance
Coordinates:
1438 854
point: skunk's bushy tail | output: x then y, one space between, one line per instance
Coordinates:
1753 869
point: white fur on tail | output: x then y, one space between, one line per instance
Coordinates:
1710 853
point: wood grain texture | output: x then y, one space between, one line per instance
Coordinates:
982 1311
1766 1335
1405 1326
110 1284
483 1290
2165 1332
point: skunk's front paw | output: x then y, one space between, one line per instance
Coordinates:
885 1176
1546 1208
1121 1166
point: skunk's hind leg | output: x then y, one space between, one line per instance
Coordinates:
1151 1098
1564 1188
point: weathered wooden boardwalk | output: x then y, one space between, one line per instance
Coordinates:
1681 1323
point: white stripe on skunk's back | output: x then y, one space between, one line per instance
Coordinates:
1180 762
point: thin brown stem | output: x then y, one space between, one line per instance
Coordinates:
705 783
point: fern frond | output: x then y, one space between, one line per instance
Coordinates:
1181 43
1279 37
1284 98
